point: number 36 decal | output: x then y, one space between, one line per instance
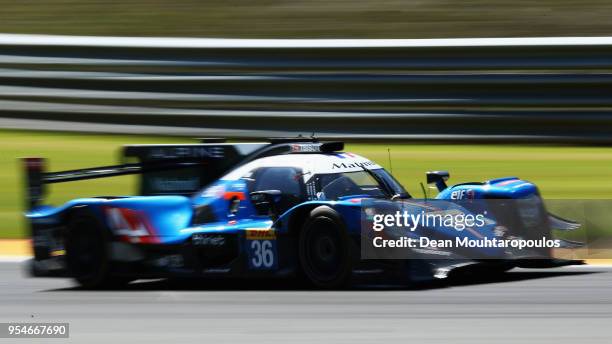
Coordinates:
261 249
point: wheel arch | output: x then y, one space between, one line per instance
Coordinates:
298 215
83 210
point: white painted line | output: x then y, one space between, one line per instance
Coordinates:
14 259
233 43
594 266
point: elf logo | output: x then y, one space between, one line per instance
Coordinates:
463 194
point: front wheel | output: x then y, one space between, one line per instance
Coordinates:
324 253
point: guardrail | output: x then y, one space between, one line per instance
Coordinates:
532 89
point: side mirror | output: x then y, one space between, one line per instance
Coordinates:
439 178
265 201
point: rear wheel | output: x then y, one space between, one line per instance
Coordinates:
324 250
87 253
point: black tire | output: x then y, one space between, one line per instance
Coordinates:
324 252
87 253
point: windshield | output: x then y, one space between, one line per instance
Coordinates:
338 186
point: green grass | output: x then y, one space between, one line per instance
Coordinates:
309 18
63 151
561 172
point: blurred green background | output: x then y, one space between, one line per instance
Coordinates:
561 172
312 18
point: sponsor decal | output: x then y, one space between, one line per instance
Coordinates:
203 239
261 248
305 148
463 194
260 234
171 152
130 225
357 164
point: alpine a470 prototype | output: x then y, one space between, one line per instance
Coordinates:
285 208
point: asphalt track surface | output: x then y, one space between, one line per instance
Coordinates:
565 305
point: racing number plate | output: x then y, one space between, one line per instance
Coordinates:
261 249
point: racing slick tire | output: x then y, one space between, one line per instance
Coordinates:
323 249
87 253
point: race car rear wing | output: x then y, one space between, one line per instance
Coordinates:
37 178
170 169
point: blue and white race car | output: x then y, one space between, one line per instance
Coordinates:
287 208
